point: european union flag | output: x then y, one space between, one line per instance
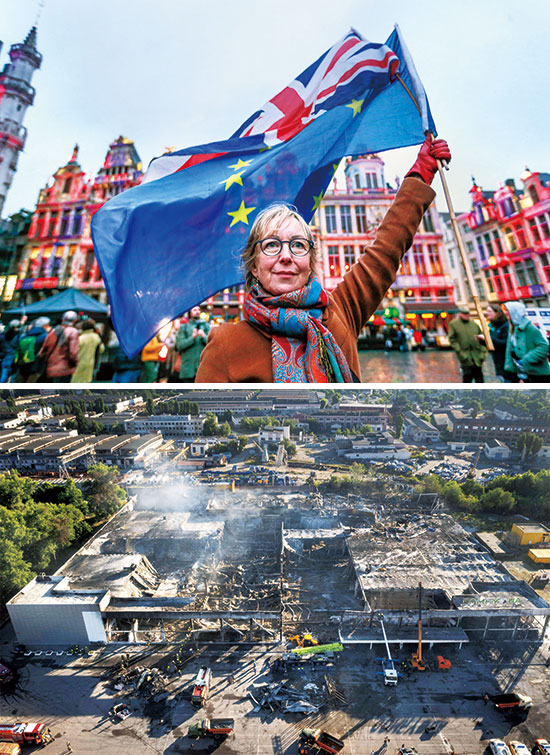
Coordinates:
169 244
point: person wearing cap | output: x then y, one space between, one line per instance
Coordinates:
60 350
470 350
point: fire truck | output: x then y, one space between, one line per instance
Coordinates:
25 733
201 686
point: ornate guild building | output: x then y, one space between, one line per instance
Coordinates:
59 253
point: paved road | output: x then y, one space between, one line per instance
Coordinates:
432 366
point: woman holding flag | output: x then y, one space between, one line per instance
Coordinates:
293 330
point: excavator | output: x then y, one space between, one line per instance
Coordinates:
443 664
304 640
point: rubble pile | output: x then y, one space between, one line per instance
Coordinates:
279 697
139 680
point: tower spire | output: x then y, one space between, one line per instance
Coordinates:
16 94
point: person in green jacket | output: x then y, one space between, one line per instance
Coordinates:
469 348
526 348
190 342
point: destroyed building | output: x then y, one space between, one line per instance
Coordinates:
203 565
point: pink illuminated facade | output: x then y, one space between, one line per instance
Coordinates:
59 253
510 239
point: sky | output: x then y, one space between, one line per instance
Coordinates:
175 73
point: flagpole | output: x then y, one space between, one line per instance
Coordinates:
465 261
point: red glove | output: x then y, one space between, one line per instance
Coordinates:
425 166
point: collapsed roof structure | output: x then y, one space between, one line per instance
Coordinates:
252 567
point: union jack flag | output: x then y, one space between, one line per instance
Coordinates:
343 73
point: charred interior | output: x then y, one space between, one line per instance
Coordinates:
192 565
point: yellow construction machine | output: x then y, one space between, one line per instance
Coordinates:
305 640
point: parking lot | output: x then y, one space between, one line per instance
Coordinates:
74 694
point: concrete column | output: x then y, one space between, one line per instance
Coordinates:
135 627
486 627
162 632
515 627
250 625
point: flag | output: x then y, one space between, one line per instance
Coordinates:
175 240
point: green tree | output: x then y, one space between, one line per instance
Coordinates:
357 472
210 426
15 572
225 430
103 494
398 422
243 442
528 444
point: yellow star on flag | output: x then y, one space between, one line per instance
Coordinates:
234 179
241 215
355 105
240 164
317 201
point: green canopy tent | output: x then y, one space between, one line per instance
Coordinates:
69 299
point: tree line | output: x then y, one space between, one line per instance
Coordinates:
525 494
38 519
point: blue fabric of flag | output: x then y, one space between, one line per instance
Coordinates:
169 244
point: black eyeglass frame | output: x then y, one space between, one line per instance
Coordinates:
289 242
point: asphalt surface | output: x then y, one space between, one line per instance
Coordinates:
73 695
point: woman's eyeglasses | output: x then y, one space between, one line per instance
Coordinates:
298 246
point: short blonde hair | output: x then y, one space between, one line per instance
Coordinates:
276 215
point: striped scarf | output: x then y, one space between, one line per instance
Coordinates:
303 350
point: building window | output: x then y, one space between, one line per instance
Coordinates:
425 294
419 261
534 230
64 225
510 240
480 248
357 178
406 264
345 218
520 233
520 275
545 262
497 243
531 270
40 225
508 278
434 261
533 193
361 219
349 257
330 218
77 222
52 224
428 222
334 269
67 186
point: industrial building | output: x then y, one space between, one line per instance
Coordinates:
201 564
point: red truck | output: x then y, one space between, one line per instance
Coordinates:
320 740
201 686
511 700
25 733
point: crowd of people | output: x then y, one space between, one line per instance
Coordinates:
37 351
78 350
